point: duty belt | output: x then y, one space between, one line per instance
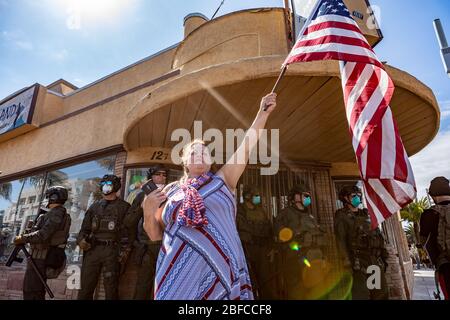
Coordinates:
106 242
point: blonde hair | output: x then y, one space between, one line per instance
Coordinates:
185 155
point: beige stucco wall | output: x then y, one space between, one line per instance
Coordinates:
120 82
250 33
51 109
92 130
192 22
86 132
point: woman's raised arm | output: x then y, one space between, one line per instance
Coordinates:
235 166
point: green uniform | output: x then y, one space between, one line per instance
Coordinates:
361 247
48 234
102 227
255 231
311 240
145 251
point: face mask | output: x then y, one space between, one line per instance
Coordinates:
107 189
256 200
356 201
307 202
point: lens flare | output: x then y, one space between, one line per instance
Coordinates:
306 262
294 246
285 234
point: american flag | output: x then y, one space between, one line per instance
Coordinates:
331 34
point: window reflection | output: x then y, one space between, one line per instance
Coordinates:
138 176
18 205
81 181
20 200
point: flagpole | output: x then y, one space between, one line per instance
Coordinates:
283 71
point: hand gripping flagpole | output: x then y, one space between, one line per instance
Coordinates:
283 71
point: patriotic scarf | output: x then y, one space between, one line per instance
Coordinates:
192 211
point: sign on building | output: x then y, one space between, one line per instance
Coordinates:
360 10
17 112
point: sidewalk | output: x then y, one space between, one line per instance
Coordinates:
424 285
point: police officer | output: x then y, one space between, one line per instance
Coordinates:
359 245
48 237
435 231
301 241
255 231
146 251
99 238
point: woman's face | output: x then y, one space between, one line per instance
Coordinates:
199 160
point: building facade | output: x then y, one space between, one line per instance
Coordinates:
123 123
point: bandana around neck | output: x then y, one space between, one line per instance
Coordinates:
192 211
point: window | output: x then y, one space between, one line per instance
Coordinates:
137 176
32 199
15 211
2 214
82 182
22 212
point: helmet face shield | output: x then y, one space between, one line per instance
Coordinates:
55 195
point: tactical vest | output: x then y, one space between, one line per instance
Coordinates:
444 227
367 246
311 234
58 239
290 218
106 224
255 227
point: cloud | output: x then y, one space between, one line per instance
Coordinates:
17 39
25 45
7 35
73 21
431 162
445 109
60 55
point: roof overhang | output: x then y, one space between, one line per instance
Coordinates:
310 114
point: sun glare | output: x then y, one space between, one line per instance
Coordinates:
96 8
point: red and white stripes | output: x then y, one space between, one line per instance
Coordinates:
368 89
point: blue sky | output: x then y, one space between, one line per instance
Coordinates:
42 41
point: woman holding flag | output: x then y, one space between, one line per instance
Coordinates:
202 256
